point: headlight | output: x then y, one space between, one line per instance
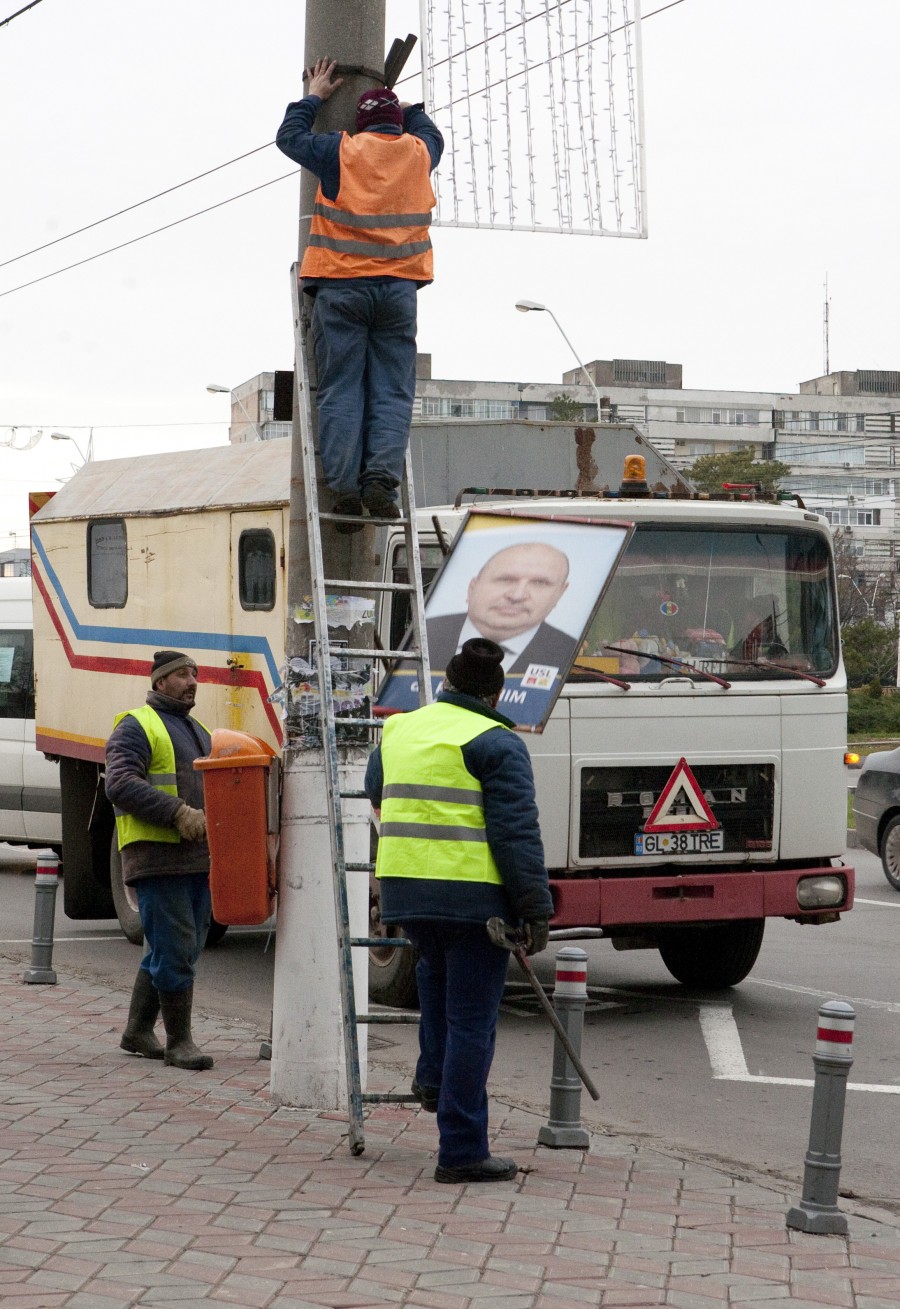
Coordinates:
852 759
821 892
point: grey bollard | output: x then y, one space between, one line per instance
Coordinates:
817 1211
563 1128
46 883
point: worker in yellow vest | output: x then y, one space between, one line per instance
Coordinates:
368 253
459 843
161 826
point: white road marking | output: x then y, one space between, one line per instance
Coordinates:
64 940
726 1056
885 904
891 1006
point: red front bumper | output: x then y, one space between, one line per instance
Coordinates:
692 898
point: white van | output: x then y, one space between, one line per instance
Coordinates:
29 784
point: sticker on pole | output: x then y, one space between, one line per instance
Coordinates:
681 807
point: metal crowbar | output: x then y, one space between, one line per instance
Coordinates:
508 938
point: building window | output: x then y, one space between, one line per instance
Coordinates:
107 551
256 569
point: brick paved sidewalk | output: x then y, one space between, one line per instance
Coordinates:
123 1182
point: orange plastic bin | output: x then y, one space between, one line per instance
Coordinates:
242 872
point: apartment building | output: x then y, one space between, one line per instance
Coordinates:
840 433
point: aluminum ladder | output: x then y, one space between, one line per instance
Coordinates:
336 790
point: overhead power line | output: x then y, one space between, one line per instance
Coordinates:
165 228
23 10
137 205
177 186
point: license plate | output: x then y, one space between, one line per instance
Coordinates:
678 842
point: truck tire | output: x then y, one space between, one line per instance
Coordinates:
889 848
392 969
710 958
127 910
124 897
87 820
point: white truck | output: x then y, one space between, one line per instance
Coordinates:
29 785
710 684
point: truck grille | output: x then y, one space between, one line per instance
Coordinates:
616 802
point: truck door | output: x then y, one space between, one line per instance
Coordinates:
16 705
257 598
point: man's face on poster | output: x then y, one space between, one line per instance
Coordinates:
516 589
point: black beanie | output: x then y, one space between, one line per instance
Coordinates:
478 668
167 661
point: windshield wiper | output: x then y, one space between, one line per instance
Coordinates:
592 673
672 663
766 666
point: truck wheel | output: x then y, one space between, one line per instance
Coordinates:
392 969
127 911
124 898
710 958
890 852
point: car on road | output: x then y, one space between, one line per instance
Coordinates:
876 806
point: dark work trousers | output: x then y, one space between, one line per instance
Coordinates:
175 913
460 976
365 340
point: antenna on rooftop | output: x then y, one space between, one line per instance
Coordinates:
825 330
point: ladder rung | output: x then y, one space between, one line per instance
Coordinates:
412 655
377 942
360 868
387 1018
353 795
359 722
363 522
388 1097
348 583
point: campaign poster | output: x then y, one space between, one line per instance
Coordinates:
528 582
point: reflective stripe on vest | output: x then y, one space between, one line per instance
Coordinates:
378 225
432 811
161 774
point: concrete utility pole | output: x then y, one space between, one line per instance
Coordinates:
307 1044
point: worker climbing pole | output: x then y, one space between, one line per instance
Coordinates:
365 205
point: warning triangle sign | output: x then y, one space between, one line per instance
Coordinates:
681 807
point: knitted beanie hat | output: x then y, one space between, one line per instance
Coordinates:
168 661
478 668
376 107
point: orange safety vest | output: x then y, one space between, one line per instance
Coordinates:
378 226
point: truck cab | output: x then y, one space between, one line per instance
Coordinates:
690 778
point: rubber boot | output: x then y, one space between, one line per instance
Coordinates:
180 1050
138 1037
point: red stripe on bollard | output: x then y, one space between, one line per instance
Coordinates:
835 1035
579 976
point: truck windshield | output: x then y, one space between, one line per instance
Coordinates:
725 600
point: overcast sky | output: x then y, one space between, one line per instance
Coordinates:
772 144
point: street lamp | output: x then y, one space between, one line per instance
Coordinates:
215 389
64 436
531 306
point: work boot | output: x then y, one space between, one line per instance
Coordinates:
180 1050
350 505
138 1037
380 502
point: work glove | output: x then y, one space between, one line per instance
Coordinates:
190 823
537 935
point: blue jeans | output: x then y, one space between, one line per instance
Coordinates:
461 977
175 914
365 340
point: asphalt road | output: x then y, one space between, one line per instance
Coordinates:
710 1077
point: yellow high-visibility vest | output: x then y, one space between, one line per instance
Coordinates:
161 775
432 810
